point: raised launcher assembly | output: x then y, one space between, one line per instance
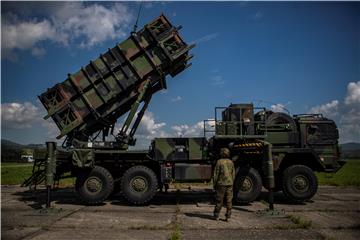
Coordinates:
92 99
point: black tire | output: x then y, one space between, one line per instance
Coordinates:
299 183
94 185
139 185
247 185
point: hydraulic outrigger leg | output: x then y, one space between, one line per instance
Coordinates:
268 169
50 170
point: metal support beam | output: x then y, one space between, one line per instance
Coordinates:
139 117
122 136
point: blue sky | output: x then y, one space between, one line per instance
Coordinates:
304 56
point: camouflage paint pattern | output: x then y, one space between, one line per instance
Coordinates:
178 149
191 172
311 138
83 157
223 192
183 155
99 93
224 172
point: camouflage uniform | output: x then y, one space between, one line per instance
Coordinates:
224 176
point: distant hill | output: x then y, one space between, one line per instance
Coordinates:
11 151
350 150
10 145
350 146
14 145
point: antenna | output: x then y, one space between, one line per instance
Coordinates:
137 19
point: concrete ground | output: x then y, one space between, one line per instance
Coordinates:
332 214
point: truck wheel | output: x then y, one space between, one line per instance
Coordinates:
247 185
94 186
299 183
139 184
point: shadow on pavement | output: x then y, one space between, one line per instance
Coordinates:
36 199
200 215
172 198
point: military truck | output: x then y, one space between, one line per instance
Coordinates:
269 149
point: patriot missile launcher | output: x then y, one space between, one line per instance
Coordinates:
274 150
93 98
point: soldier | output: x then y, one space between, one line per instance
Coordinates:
224 176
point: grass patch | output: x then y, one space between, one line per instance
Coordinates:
348 175
17 173
176 233
300 223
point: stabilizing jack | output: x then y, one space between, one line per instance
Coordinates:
270 182
50 175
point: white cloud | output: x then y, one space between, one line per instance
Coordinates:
26 116
94 23
217 80
176 99
196 130
353 93
205 38
19 115
257 16
278 107
329 109
38 52
51 128
186 130
346 114
24 35
82 24
350 114
349 126
149 128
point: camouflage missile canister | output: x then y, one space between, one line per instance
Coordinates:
99 93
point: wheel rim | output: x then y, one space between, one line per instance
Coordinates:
247 185
300 183
139 184
93 184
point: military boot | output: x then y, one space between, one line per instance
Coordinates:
228 215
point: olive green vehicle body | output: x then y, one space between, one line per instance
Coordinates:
193 159
90 101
